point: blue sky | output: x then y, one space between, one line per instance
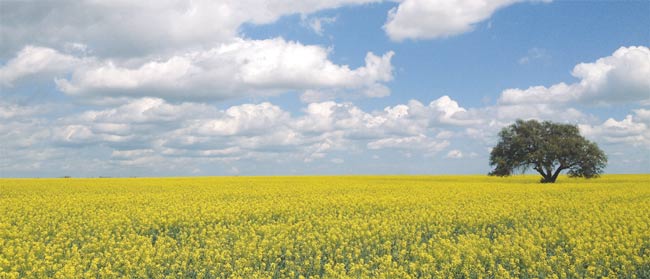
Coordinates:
313 87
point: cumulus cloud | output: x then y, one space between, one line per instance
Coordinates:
427 19
9 111
624 68
109 51
33 60
145 110
244 67
156 62
552 112
454 154
244 120
376 90
152 130
18 134
403 120
137 29
633 130
642 115
413 143
619 78
133 29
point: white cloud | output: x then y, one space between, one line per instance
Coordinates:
633 130
430 19
449 112
642 115
376 90
137 29
245 67
33 60
151 131
149 59
16 135
146 110
244 120
403 120
175 50
535 111
130 154
128 28
316 23
454 154
419 142
534 54
10 110
624 68
619 78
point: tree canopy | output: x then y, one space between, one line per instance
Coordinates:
548 148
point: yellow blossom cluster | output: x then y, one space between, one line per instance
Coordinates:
325 227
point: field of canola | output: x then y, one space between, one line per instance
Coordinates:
326 227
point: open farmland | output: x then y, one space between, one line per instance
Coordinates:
325 227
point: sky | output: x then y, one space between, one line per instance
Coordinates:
301 87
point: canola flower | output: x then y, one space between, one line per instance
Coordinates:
325 227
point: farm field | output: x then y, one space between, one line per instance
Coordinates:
325 227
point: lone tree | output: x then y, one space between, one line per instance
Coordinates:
547 148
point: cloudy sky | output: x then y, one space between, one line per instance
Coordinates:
258 87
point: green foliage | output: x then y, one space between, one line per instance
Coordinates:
548 148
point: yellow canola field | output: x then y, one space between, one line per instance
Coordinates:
326 227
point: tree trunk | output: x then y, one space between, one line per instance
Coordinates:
557 172
550 178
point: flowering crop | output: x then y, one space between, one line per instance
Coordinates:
325 227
